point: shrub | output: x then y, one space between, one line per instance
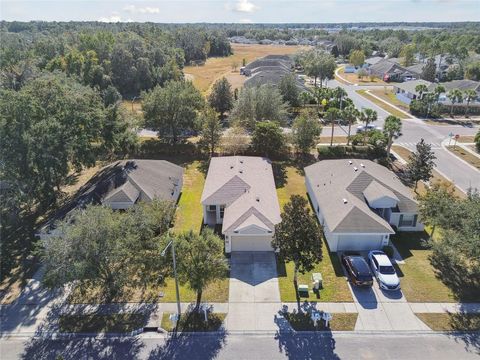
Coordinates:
388 250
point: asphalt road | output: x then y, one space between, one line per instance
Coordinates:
448 164
251 347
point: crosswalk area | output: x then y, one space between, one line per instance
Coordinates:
412 145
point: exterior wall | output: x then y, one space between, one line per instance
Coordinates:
395 221
313 199
404 96
178 191
212 218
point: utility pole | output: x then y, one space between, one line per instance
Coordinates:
172 244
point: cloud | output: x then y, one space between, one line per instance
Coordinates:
141 10
114 19
245 6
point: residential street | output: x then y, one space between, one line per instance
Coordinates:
278 345
413 130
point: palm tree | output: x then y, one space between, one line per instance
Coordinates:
391 128
421 89
455 96
367 116
321 94
470 95
350 113
332 115
339 93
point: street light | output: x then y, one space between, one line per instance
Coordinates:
171 243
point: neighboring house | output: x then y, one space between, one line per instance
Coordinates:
389 70
373 60
405 92
359 203
461 85
240 195
122 184
145 180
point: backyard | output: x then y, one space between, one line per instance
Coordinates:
290 181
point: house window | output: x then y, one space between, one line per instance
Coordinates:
407 220
222 211
212 208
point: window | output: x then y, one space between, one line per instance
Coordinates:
212 208
222 211
407 220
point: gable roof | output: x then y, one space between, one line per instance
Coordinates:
245 185
409 86
461 85
376 191
385 66
373 60
340 193
150 178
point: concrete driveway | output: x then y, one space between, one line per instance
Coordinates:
253 292
383 310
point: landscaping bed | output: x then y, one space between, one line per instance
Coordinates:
451 322
195 322
417 275
340 322
93 323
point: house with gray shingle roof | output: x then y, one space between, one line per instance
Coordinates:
144 180
240 195
359 203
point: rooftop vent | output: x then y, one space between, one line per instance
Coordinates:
257 198
345 201
231 166
241 161
355 168
350 162
362 165
240 171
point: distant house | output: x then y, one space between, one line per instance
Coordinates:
391 70
405 92
145 180
240 195
461 85
359 203
373 60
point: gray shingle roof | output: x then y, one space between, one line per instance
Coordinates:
339 191
461 85
246 186
409 86
151 178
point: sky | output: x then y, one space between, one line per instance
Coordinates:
241 11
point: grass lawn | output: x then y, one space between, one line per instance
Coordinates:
189 215
404 153
335 288
384 106
192 322
466 139
205 75
389 96
451 322
291 181
465 155
339 322
113 323
417 276
336 139
353 78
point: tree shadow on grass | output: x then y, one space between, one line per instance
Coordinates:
190 346
469 326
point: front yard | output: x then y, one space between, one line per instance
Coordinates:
339 322
451 322
417 276
290 181
193 322
113 323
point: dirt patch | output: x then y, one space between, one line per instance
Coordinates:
205 75
465 155
353 78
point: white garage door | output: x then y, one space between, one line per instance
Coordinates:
359 242
251 243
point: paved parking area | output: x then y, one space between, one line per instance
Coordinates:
253 292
